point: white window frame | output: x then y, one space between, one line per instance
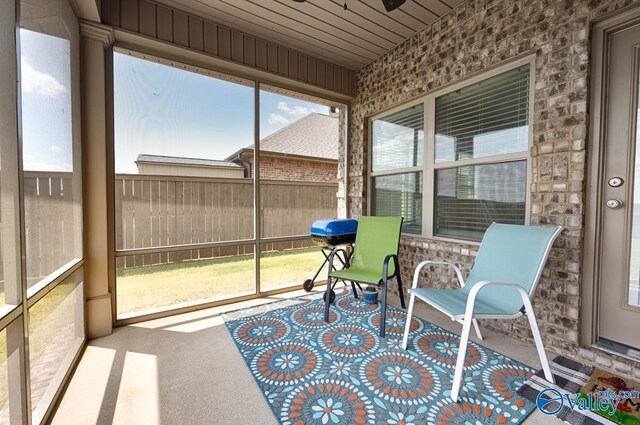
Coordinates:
430 167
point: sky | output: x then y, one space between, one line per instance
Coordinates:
158 109
163 110
46 102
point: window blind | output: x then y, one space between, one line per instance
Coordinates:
398 140
470 198
484 119
399 195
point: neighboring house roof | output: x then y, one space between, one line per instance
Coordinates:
177 160
314 135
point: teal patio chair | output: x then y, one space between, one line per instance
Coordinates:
374 261
505 274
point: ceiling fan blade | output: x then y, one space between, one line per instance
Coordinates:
392 4
388 4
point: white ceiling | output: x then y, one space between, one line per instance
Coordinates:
322 28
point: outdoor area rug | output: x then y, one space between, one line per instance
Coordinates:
576 378
343 372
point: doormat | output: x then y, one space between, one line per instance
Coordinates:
576 378
342 372
628 409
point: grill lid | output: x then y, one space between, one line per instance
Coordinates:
334 227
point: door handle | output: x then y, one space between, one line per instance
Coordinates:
614 204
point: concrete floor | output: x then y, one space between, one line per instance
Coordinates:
186 369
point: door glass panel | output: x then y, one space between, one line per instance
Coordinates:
634 264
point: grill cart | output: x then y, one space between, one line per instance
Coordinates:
332 235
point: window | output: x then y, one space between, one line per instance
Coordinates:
476 158
397 150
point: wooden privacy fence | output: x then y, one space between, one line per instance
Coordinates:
153 211
53 217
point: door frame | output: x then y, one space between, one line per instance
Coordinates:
601 32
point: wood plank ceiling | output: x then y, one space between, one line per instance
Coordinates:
322 28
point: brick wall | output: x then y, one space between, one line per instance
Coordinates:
475 36
281 168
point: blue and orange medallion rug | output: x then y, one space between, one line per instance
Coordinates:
342 372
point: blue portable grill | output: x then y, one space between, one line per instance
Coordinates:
334 234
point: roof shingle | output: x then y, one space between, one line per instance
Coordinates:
177 160
314 135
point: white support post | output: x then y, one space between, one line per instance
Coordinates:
98 198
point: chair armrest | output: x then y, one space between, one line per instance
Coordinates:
332 254
416 274
385 264
471 300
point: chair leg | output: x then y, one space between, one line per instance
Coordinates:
538 339
353 286
405 338
327 301
383 313
462 352
400 292
327 295
476 326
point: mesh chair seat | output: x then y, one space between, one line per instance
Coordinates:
454 301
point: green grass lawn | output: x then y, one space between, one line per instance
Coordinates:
150 287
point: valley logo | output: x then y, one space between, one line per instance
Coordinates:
550 401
